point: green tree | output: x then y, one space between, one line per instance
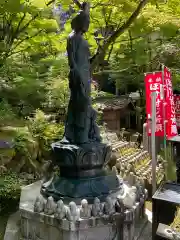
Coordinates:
23 25
152 40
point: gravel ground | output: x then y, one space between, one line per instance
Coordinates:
147 232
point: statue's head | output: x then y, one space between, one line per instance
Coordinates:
72 207
86 7
80 22
96 201
38 199
84 203
50 200
109 201
60 204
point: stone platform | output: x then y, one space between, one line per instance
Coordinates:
107 223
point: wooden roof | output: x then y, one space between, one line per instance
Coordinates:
113 103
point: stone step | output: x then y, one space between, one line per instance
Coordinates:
127 157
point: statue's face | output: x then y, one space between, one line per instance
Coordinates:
84 203
49 201
108 200
60 203
72 207
97 201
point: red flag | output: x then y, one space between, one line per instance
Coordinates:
171 127
177 109
153 82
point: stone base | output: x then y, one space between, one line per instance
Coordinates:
13 229
81 173
86 160
76 189
47 227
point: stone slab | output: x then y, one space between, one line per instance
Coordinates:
164 231
13 227
29 194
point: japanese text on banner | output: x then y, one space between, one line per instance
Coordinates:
177 109
171 127
153 82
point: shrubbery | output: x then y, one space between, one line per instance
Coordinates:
32 143
6 113
9 192
44 132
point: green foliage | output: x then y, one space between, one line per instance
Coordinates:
100 94
9 192
31 144
44 132
100 118
26 25
34 68
26 151
57 94
152 39
6 113
22 88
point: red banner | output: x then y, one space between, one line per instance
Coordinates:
153 82
177 109
171 127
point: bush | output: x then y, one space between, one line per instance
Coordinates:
6 113
57 94
9 192
45 133
26 151
32 144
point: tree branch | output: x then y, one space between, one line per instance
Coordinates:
129 22
19 24
33 18
22 40
27 24
111 49
119 31
50 2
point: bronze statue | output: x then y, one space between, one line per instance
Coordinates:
81 155
80 125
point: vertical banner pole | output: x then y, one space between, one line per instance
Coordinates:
153 140
164 116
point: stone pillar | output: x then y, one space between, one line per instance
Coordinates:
145 138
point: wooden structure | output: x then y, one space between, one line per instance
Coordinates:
119 112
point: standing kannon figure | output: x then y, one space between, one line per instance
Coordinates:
80 124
